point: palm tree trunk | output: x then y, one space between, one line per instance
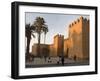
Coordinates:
28 45
38 49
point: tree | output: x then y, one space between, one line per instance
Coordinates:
28 32
39 25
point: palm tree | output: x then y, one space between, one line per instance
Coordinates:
45 29
39 25
28 32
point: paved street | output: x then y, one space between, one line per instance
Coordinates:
54 61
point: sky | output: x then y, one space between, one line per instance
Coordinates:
57 24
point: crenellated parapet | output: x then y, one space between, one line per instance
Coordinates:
81 19
77 25
58 35
76 21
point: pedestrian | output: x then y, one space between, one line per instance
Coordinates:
62 60
74 57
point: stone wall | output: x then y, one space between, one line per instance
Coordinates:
79 36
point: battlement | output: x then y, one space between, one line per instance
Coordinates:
58 35
81 19
86 20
